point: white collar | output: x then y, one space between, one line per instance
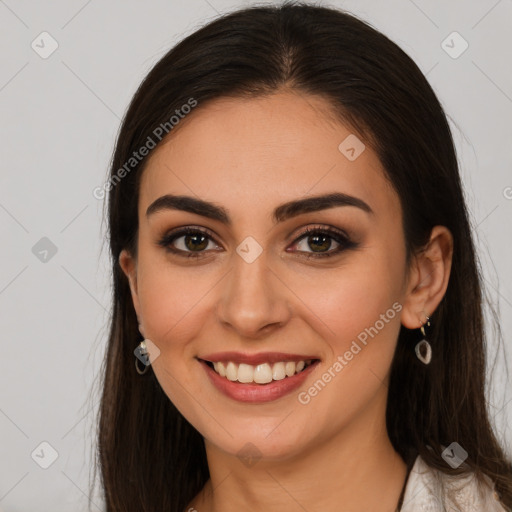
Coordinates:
431 490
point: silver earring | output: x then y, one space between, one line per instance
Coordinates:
141 355
423 349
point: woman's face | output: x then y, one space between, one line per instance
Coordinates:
257 293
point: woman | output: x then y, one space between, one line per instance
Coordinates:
295 281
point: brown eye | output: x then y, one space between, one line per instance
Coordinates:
195 242
188 242
319 243
320 240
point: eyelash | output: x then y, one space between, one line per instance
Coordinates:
339 237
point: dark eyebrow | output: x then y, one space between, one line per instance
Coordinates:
280 214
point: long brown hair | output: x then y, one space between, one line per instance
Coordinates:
150 457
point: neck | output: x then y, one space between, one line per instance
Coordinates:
356 470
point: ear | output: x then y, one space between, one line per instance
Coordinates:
129 266
428 278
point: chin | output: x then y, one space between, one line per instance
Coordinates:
260 442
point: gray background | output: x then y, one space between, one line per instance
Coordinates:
59 117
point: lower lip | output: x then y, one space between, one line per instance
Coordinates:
257 393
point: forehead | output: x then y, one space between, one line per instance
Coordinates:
262 151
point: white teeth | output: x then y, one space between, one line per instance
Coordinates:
261 373
221 369
245 373
231 371
278 371
290 368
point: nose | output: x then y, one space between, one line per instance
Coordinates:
254 301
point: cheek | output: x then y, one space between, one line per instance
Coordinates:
362 311
171 299
353 300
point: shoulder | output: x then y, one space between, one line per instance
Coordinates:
431 490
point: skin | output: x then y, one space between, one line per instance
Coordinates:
249 156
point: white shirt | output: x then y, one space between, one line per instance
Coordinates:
431 490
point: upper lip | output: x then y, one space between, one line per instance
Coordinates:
254 359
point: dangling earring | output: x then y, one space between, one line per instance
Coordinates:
141 354
423 349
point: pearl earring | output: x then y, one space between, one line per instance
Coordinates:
141 355
423 349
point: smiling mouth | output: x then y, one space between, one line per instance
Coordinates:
264 373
